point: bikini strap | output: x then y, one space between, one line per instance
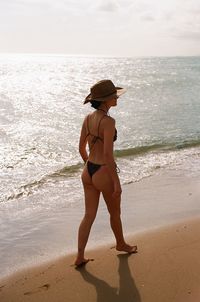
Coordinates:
87 126
99 125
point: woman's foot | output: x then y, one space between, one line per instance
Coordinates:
81 262
127 248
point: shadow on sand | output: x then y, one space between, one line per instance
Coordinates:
127 291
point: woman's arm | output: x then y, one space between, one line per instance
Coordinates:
109 132
83 143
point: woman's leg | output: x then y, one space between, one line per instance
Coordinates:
103 182
114 209
91 206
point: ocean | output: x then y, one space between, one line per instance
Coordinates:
41 113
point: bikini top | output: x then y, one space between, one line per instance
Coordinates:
96 137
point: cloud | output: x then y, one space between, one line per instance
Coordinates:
25 8
178 19
132 23
188 32
107 6
189 35
147 17
31 7
186 20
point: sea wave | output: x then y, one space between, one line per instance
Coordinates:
29 188
71 171
157 147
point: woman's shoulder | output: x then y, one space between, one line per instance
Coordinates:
108 120
86 117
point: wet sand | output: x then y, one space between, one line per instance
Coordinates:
166 268
160 215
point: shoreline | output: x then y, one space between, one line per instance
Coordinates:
166 268
168 197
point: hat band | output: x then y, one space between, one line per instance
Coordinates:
104 96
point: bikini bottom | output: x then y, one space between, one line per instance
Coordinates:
92 168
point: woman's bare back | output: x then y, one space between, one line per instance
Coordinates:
95 125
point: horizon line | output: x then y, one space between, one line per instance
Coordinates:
93 55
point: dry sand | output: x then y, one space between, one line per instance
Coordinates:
166 269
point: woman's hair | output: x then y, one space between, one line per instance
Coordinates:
95 104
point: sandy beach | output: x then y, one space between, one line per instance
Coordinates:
42 199
166 267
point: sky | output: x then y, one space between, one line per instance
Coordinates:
101 27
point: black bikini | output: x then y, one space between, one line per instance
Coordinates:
92 167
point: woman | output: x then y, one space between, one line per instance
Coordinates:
100 173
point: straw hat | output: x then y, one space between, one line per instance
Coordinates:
103 91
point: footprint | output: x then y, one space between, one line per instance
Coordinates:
43 287
28 293
1 287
